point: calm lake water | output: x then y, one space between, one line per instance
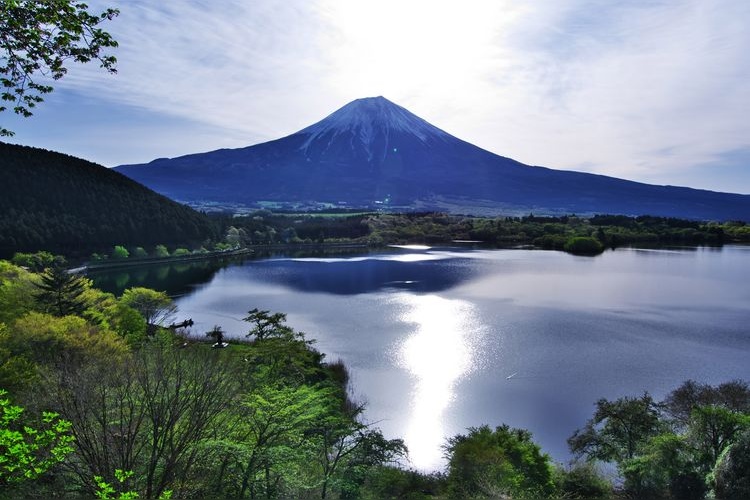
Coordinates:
440 339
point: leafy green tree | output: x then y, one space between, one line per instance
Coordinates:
618 429
140 253
355 450
291 360
17 373
27 452
342 447
50 342
186 394
274 423
155 307
711 429
17 292
120 252
664 468
583 481
732 472
35 262
126 322
60 291
106 491
38 39
267 325
680 403
395 482
161 251
619 433
504 462
106 311
147 413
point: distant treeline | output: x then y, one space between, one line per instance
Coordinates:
55 202
375 229
50 201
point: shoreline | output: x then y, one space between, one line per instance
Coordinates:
241 252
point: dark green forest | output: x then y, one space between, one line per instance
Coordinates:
51 201
103 396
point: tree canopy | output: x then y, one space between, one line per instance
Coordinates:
38 39
29 452
155 307
493 464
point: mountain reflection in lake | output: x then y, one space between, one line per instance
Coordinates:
438 340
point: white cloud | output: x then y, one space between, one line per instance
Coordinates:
646 90
637 92
241 66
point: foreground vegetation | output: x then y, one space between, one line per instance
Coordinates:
101 398
265 418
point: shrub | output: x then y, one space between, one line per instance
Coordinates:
161 251
140 253
583 245
120 252
584 481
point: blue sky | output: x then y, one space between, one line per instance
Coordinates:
654 91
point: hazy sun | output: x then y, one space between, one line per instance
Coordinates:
393 47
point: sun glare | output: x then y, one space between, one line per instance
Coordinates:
439 352
394 48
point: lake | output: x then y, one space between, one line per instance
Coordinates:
440 339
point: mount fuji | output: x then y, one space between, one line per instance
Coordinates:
374 153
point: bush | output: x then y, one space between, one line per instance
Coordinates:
120 252
36 262
503 462
584 481
140 253
161 251
583 245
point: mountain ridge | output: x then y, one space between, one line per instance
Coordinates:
374 153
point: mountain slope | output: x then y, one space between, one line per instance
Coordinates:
51 201
373 151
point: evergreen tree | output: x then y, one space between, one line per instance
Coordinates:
61 291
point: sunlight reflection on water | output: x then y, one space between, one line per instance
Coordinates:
438 354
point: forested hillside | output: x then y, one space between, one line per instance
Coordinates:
51 201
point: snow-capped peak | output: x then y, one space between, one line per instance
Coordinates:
369 118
